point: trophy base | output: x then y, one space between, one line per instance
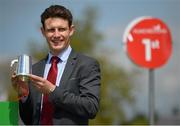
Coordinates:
23 78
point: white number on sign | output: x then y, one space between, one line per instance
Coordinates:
149 45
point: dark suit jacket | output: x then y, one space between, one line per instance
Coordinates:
76 99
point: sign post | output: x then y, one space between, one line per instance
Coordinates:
148 44
151 96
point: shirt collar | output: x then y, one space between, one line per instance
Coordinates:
63 55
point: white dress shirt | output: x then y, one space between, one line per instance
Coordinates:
61 65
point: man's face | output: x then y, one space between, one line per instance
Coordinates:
57 33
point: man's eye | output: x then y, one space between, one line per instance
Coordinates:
50 30
61 29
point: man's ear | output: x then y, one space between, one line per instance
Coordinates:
72 29
42 31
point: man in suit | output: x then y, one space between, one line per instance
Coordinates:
64 86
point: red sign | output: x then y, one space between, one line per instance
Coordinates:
148 42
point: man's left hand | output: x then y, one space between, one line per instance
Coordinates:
43 85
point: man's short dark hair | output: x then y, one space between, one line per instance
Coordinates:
57 11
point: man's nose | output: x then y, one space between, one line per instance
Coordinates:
56 33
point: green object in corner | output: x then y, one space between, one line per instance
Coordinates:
9 113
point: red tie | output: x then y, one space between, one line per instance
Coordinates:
47 108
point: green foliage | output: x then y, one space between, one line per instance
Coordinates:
37 50
86 36
115 91
139 119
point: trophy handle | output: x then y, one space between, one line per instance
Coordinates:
13 62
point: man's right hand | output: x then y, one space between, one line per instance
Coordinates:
20 86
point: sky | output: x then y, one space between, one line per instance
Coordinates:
20 23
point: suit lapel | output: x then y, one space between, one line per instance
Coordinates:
68 68
38 70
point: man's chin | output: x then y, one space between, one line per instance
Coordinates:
56 50
56 47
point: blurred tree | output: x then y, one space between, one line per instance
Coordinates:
5 86
115 85
38 50
86 36
139 119
115 91
175 110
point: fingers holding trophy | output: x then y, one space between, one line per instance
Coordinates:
20 77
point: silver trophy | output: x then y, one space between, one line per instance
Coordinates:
23 69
